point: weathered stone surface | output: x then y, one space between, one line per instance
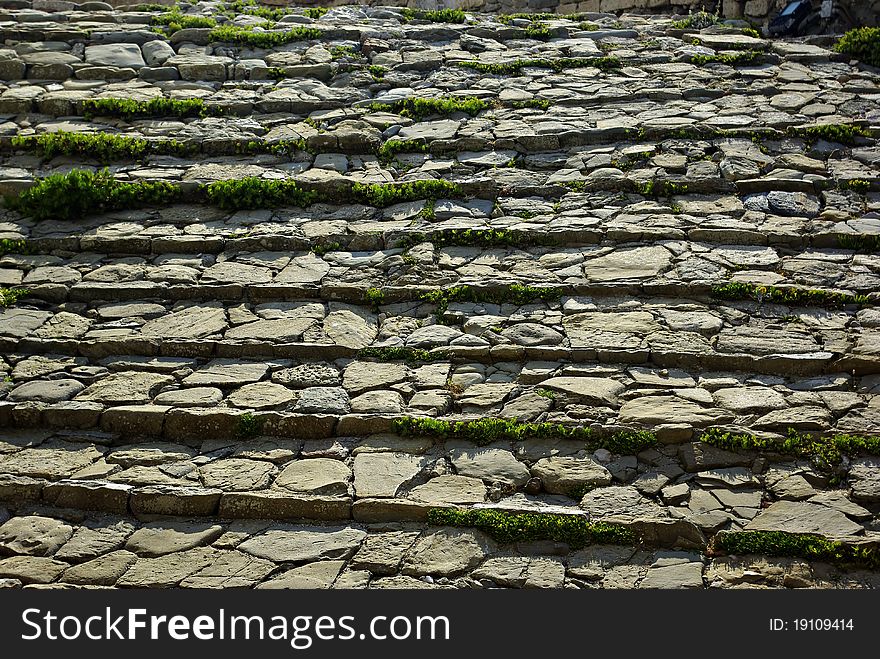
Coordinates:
446 551
319 575
803 517
315 476
489 464
160 538
33 536
570 475
282 544
382 474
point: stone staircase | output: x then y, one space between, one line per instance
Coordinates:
625 335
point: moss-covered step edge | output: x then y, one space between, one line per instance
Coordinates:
82 192
856 552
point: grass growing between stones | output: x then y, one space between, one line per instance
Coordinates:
574 530
81 192
697 21
435 16
743 58
790 296
174 20
400 353
557 65
842 133
247 36
514 294
391 148
860 242
387 194
127 108
9 296
97 146
8 246
485 431
796 545
253 192
475 238
862 43
248 426
826 451
856 185
419 108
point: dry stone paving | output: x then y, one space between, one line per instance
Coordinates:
655 245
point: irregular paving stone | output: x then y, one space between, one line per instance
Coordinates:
237 474
160 538
103 571
490 465
620 501
446 551
93 540
570 475
596 391
382 474
33 536
125 388
167 571
230 569
319 575
301 544
803 517
450 489
315 476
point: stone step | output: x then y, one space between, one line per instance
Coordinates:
50 548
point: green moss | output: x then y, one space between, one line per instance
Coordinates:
513 294
862 43
8 246
476 238
697 21
315 12
391 148
826 451
841 133
574 530
557 65
174 20
436 16
790 296
537 30
247 36
534 103
378 72
658 188
322 248
488 430
743 58
589 27
856 185
387 194
253 192
248 426
797 545
127 108
9 296
419 108
98 146
374 297
81 192
400 353
751 32
546 393
860 242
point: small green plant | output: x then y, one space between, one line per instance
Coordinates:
860 242
791 296
435 16
174 20
248 426
341 52
81 192
798 545
546 393
475 238
658 188
374 297
751 32
537 30
127 108
419 108
392 147
856 185
387 194
323 248
533 103
574 530
743 58
400 353
589 27
378 72
862 43
514 294
254 192
98 146
697 21
826 451
9 296
488 430
9 246
841 133
246 36
315 12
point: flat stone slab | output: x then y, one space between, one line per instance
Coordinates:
804 517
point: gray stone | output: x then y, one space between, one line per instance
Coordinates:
803 517
446 552
160 538
33 536
304 543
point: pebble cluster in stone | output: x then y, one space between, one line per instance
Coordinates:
148 335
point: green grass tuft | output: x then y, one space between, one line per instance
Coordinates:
127 108
400 353
860 242
862 43
558 65
435 16
9 246
247 36
797 545
574 530
9 296
790 296
744 58
248 426
387 194
841 133
419 108
253 192
81 192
